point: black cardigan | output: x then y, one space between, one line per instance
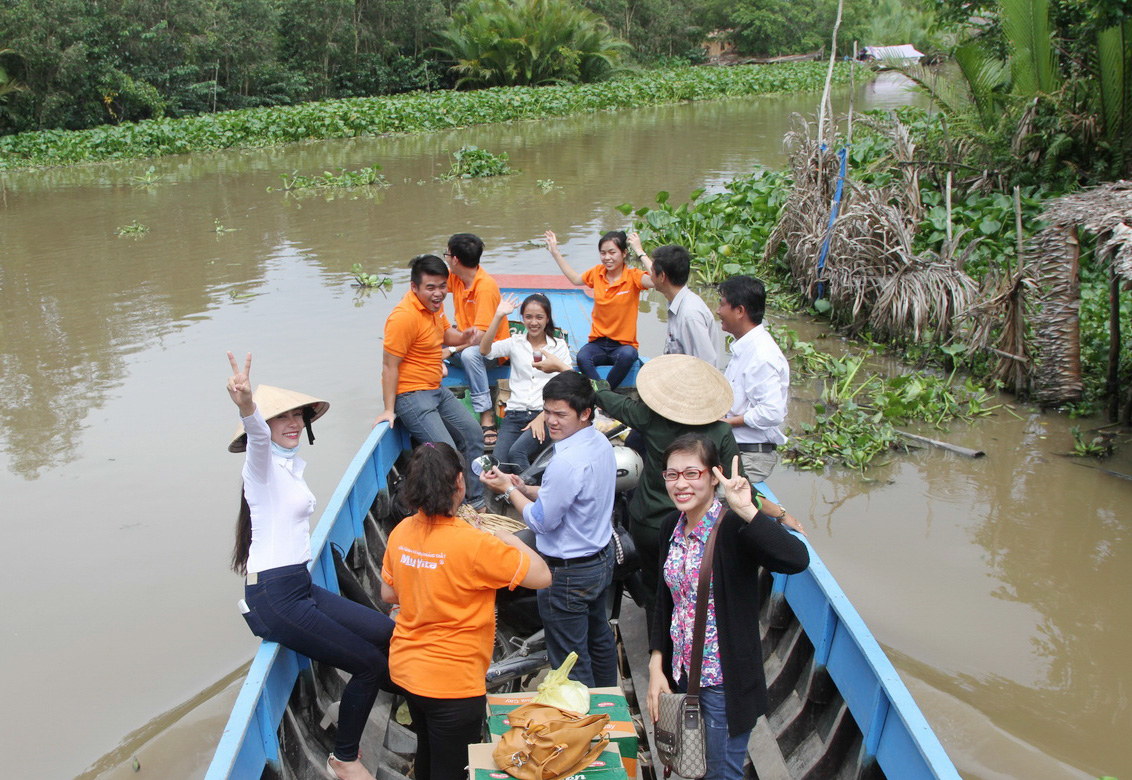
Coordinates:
740 549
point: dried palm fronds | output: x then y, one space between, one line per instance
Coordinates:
873 275
1057 334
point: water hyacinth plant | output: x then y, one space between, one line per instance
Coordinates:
363 177
471 162
405 113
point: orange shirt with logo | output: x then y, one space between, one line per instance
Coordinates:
416 335
615 305
446 573
475 306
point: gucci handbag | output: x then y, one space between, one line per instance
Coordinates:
681 733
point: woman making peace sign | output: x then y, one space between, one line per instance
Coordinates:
273 548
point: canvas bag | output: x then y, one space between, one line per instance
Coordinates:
680 731
547 743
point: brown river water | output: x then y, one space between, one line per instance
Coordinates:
993 584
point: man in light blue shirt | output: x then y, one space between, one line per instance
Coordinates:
571 517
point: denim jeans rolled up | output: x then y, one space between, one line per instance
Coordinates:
516 446
574 616
437 416
605 351
330 629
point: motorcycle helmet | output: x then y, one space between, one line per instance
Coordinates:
629 468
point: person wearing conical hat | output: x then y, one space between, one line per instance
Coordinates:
680 394
272 551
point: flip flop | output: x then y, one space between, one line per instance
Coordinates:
490 435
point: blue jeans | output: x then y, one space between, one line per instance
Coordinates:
286 607
444 728
605 351
725 754
516 446
574 616
436 416
475 368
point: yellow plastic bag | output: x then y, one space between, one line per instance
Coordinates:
557 689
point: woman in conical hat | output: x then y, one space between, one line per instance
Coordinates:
273 549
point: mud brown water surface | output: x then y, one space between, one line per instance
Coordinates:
998 586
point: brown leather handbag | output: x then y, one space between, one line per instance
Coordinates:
547 743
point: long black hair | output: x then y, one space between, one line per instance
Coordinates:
544 302
430 479
243 546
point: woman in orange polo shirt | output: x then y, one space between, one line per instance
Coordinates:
444 573
617 291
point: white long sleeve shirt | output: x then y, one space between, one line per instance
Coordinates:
526 381
760 377
280 501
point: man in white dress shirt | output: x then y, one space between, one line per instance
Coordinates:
759 375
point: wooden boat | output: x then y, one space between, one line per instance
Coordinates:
839 709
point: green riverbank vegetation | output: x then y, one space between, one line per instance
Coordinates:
73 64
412 112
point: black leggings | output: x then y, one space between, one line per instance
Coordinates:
445 728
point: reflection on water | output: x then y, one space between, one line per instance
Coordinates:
994 583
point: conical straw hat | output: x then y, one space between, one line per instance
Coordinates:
684 389
272 402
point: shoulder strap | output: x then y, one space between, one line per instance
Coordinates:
702 595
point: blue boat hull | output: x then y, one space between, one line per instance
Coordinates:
839 709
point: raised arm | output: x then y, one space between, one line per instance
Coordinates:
567 271
646 261
505 307
240 385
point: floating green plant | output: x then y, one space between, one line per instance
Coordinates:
471 162
135 229
369 281
363 177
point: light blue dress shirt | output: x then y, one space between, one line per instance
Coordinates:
572 517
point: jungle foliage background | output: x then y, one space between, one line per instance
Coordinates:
74 64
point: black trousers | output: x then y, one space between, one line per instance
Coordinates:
445 728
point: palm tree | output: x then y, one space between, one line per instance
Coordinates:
8 82
494 43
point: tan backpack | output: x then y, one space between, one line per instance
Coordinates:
547 743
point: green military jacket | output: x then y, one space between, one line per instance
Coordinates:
650 504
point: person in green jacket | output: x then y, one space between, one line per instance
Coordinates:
680 394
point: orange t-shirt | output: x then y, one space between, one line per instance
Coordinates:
615 305
416 335
446 574
475 306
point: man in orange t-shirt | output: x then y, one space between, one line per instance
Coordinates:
416 332
475 296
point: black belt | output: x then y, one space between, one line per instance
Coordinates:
560 562
762 446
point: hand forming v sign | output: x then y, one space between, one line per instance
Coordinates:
736 488
240 385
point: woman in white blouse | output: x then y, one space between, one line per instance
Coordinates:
522 435
272 551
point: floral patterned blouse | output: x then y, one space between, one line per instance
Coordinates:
682 575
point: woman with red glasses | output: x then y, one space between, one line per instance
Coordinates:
732 683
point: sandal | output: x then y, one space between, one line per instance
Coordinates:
490 435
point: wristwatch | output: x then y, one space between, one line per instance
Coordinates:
507 494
